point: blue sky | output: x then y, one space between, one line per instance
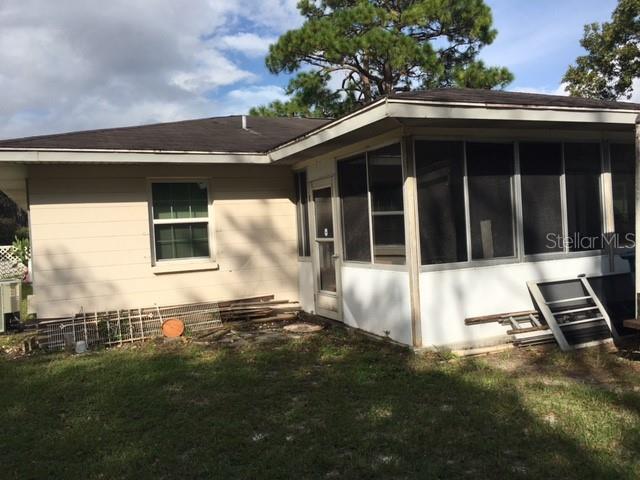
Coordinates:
538 39
66 65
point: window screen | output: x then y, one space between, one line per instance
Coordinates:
324 213
302 216
180 220
387 211
179 200
352 183
540 173
181 240
624 187
441 213
489 171
582 174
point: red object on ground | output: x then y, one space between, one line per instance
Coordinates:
172 327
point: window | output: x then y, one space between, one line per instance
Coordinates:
489 177
624 188
540 175
302 214
372 206
582 177
439 174
387 211
467 198
354 197
180 214
324 238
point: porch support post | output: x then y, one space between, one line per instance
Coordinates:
637 229
412 236
607 203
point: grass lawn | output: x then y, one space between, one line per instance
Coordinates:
330 405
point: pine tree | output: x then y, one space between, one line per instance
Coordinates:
374 47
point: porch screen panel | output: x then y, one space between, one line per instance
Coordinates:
352 183
441 213
387 210
490 172
302 214
540 173
624 187
582 174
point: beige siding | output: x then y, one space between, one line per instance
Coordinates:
92 246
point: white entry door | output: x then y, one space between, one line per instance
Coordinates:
325 249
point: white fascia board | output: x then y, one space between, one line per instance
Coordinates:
361 118
527 113
119 156
398 108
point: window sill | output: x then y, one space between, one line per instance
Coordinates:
374 266
183 267
498 262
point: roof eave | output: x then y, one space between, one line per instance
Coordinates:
40 155
411 108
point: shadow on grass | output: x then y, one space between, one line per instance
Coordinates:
328 406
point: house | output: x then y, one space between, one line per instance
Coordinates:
402 218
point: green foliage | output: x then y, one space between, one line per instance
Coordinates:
21 249
22 232
310 97
612 61
377 46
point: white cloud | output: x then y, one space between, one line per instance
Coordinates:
241 100
559 90
635 95
69 65
249 44
211 70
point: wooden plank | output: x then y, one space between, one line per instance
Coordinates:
516 331
632 323
497 317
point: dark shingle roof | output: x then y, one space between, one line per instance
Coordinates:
218 134
470 95
225 134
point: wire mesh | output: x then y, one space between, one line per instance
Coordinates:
113 327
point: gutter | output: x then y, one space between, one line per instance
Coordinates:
276 154
510 106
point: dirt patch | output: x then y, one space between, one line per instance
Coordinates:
16 345
241 334
604 365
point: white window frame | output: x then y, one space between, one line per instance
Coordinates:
301 228
370 212
516 199
175 221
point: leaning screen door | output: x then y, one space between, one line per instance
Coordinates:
324 252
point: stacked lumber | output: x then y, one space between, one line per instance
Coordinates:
525 327
258 309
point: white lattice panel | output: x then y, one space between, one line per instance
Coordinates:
10 265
